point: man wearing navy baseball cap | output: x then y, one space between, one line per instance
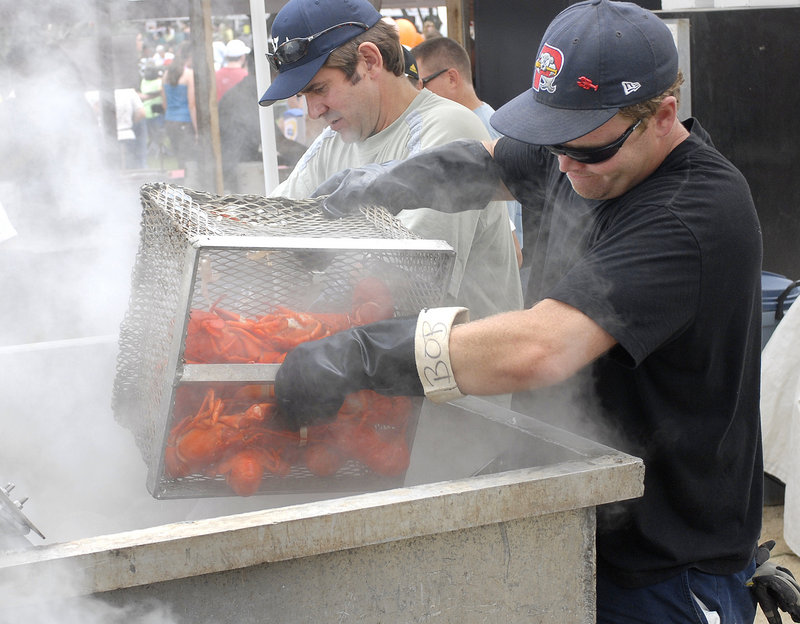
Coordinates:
303 36
348 64
644 298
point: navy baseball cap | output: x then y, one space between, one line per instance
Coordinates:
595 57
302 19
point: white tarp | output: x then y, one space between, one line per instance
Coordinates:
6 228
780 416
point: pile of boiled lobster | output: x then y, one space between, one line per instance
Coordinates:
236 432
219 336
242 440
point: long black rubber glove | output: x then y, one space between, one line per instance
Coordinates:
774 587
458 176
316 376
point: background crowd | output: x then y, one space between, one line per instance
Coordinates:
156 118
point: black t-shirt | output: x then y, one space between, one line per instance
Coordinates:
672 270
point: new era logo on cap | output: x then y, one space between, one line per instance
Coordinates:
630 87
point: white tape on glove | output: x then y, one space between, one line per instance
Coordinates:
432 351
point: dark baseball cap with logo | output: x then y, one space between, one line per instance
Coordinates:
595 57
313 29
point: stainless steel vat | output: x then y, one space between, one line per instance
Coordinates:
510 546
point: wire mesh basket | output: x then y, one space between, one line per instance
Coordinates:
232 262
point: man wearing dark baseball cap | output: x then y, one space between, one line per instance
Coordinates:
585 72
349 65
303 37
644 298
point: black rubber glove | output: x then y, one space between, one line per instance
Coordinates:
316 376
458 176
774 587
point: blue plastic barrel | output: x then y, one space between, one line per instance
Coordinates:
778 293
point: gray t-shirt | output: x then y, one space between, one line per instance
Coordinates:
486 276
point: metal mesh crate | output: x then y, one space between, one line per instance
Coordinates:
252 256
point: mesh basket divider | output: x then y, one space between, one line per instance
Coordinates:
175 364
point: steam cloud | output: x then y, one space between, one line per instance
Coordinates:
65 285
34 601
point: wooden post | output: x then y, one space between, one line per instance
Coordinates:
457 22
106 84
210 151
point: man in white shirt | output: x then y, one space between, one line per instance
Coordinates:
350 66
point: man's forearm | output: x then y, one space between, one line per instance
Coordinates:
525 349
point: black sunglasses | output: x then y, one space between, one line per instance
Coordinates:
595 154
427 79
293 50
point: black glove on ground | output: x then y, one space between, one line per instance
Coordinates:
458 176
316 376
774 587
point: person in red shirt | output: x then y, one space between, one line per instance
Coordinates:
234 68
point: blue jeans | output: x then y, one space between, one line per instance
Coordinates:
671 601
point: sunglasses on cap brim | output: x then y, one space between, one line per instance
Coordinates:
293 50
